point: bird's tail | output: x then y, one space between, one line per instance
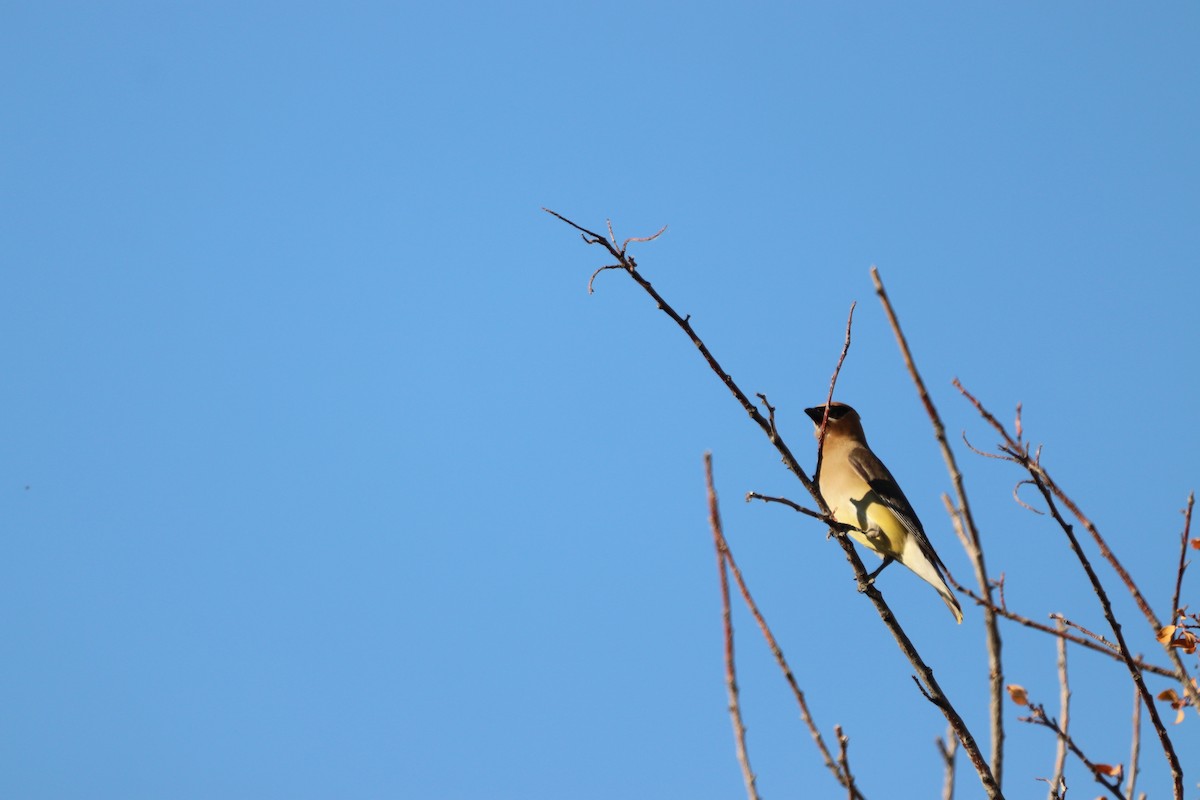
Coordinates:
915 559
951 601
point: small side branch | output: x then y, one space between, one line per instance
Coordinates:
1100 639
789 503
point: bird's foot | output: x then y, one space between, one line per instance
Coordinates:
863 585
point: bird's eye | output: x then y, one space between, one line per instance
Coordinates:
837 412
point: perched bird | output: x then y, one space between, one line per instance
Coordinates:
861 492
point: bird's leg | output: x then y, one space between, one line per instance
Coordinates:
862 587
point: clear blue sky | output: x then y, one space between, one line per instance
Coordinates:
323 476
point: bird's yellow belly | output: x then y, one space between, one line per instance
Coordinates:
879 529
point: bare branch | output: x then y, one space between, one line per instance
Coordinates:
1037 626
770 415
844 761
1022 503
789 503
1086 632
788 675
1183 543
1135 745
948 748
927 679
972 542
735 711
640 239
592 279
1038 717
1064 713
1050 491
829 397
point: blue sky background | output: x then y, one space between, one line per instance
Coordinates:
323 476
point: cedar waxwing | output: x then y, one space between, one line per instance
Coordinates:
861 492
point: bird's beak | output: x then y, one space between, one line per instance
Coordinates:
816 413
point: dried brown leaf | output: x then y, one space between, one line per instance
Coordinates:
1166 634
1018 694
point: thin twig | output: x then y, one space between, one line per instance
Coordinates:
1064 713
1079 640
1038 717
1049 492
948 748
973 544
770 413
735 711
930 685
844 761
1183 543
1086 632
829 397
784 501
1135 745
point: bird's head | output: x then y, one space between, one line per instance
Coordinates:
843 420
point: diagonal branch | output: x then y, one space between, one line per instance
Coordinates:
930 684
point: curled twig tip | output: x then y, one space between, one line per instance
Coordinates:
1021 502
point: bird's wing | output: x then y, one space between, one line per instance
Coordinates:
873 471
